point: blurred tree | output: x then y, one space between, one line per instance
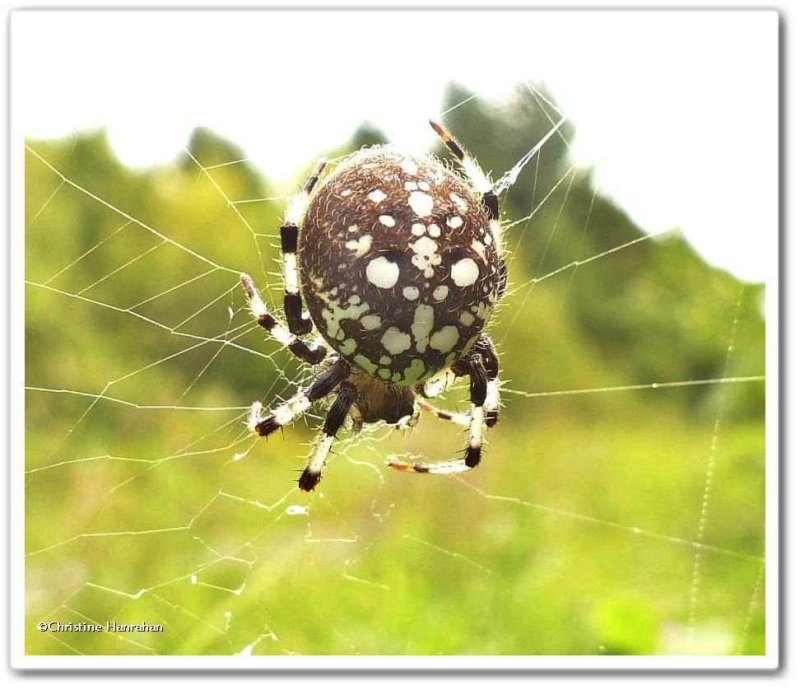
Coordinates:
367 135
662 302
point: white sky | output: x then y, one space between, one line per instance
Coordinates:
677 112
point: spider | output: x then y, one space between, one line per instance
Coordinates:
400 262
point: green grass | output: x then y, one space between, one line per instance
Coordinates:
567 540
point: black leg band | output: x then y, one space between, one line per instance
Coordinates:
477 381
289 238
334 420
491 205
472 457
328 380
293 307
338 413
313 356
485 348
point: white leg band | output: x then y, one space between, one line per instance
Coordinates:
492 395
476 427
320 455
290 273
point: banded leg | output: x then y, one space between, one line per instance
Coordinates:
473 366
433 388
409 421
333 422
475 174
312 355
436 385
477 413
298 404
457 418
485 347
299 324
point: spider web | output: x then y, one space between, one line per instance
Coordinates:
147 499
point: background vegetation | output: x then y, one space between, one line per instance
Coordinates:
624 520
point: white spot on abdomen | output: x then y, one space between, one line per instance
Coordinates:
365 363
410 292
464 272
445 339
422 325
360 246
465 317
409 166
421 203
440 292
455 222
388 221
383 273
395 341
414 372
371 321
458 201
426 255
376 195
348 347
334 313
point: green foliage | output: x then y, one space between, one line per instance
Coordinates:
626 626
367 135
576 534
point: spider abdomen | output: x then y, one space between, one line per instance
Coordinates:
399 264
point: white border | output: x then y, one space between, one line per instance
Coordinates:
19 660
398 663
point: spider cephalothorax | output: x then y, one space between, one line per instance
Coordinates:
400 263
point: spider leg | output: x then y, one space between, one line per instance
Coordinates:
409 421
436 385
298 404
311 355
299 324
479 366
475 174
458 418
477 397
485 347
334 420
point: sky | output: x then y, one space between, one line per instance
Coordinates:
677 113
